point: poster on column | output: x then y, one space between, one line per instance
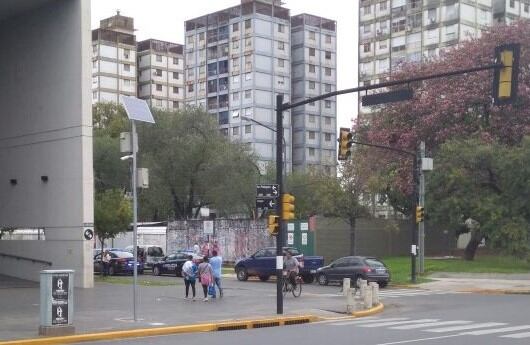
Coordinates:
304 239
290 238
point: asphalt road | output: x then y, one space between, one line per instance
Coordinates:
433 319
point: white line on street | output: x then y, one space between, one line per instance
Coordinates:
498 330
517 335
393 323
430 324
461 328
421 339
364 321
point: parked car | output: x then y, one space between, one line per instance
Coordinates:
354 267
263 264
171 264
120 262
149 252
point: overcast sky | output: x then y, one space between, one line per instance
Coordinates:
164 20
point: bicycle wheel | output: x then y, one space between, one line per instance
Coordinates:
297 290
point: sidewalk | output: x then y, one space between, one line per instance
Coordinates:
108 307
479 282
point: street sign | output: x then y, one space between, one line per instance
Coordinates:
387 97
270 190
265 203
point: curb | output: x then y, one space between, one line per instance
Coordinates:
497 291
375 310
147 332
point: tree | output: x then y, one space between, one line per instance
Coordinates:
192 165
484 185
449 108
112 214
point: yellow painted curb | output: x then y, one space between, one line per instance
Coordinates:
148 332
497 291
375 310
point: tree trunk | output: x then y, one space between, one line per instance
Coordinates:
352 236
472 246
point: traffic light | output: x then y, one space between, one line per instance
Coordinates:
505 78
273 225
287 207
344 144
420 214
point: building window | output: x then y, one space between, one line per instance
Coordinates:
248 94
175 89
512 3
248 76
383 45
383 6
190 88
328 71
235 96
126 82
176 75
248 42
158 72
312 68
159 58
94 95
327 87
311 135
312 35
311 152
248 23
366 47
190 39
367 10
175 104
327 136
312 104
158 102
312 52
281 28
235 44
224 131
235 62
235 130
367 28
126 53
281 46
328 39
311 85
431 15
327 104
312 119
526 8
248 129
235 27
248 112
126 67
158 87
201 36
235 79
327 55
281 63
327 121
176 61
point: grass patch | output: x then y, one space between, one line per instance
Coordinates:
227 270
400 266
142 280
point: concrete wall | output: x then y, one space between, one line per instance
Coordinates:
46 130
377 237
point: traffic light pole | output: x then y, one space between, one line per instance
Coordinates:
279 181
414 205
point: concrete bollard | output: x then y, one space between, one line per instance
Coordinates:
346 286
368 298
375 293
363 286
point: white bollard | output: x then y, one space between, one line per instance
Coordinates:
368 299
375 293
346 286
363 286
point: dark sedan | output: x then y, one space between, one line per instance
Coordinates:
171 264
120 262
354 267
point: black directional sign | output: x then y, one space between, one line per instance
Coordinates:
265 203
267 190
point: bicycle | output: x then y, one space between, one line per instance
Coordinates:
288 286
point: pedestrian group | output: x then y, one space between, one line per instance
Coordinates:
208 272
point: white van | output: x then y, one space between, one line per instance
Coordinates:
150 252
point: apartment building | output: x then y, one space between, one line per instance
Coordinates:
314 72
237 61
113 59
506 11
161 74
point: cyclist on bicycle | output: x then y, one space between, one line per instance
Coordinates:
291 265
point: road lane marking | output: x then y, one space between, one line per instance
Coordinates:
498 330
517 335
421 339
393 323
430 324
364 321
462 328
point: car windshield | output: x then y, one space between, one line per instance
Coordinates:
374 263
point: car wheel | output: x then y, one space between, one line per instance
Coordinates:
383 284
242 274
308 278
322 279
111 271
156 271
263 278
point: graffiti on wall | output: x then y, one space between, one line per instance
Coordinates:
235 238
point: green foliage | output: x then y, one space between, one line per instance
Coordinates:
109 119
112 213
109 170
485 181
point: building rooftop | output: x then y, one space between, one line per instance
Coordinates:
113 36
118 23
160 46
312 20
